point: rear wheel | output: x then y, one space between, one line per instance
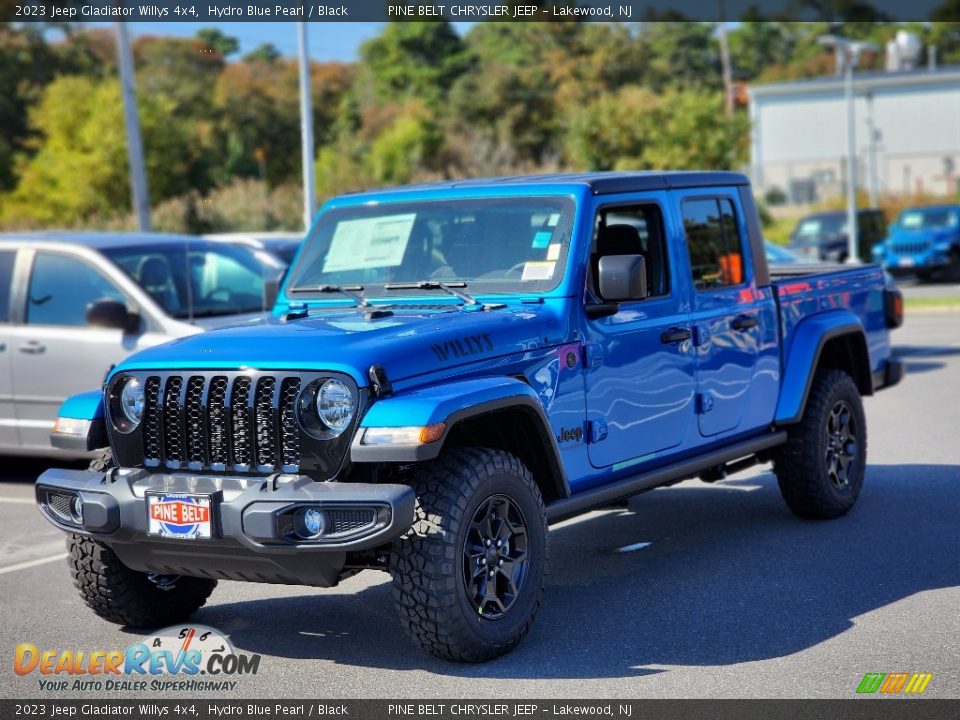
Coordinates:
468 575
820 469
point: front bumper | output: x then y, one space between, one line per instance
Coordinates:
251 533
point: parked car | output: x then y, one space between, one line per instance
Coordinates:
824 236
925 241
73 305
450 368
282 246
777 255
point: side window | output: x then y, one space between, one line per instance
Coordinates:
714 243
60 289
633 230
7 259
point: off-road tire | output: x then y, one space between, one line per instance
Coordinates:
124 596
802 465
429 562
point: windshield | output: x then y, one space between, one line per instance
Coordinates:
928 219
494 245
224 280
817 227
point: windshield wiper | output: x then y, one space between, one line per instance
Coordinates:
349 290
436 285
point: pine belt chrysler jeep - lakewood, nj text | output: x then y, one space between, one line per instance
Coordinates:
448 369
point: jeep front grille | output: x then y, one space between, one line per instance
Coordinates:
244 423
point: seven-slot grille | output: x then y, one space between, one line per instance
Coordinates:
243 423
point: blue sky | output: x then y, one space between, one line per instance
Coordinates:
327 41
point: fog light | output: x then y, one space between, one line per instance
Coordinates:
310 523
76 509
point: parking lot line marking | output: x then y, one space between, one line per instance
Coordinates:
635 546
32 563
20 501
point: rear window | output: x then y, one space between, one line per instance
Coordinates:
713 242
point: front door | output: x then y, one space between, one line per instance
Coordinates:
55 353
640 362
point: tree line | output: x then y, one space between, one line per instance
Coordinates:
421 102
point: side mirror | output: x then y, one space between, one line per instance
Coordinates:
271 287
110 313
622 277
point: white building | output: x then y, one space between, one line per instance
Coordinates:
799 136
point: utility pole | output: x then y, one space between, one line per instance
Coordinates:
725 63
138 175
306 128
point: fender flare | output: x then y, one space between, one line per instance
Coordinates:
87 408
810 338
451 403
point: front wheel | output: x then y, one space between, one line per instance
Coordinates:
468 576
820 468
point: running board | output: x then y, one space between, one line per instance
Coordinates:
593 498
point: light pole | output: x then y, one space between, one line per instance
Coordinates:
849 52
306 128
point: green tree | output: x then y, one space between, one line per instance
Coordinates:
411 144
414 60
215 40
264 52
79 170
634 129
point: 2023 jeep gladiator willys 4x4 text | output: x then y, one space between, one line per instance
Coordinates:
448 369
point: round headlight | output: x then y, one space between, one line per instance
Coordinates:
131 401
335 406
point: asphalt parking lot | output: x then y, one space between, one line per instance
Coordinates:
692 591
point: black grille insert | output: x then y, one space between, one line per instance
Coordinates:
222 423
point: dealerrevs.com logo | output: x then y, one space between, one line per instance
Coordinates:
894 683
187 658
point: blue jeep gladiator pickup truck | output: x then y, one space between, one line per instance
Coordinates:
450 368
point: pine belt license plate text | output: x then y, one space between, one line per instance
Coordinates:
179 516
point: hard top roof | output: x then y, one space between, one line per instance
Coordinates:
600 183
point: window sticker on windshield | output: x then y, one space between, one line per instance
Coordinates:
553 252
375 242
541 239
554 219
538 270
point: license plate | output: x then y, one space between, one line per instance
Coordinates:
179 516
906 262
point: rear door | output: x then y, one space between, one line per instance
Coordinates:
55 353
8 425
726 308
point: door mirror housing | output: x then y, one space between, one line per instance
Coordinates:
622 278
110 313
271 287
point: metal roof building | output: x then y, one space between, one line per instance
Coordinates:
908 134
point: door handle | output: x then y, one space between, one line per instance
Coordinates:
675 335
744 322
3 346
33 348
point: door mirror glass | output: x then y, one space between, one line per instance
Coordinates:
622 277
109 313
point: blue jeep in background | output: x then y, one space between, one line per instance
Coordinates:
450 368
925 241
